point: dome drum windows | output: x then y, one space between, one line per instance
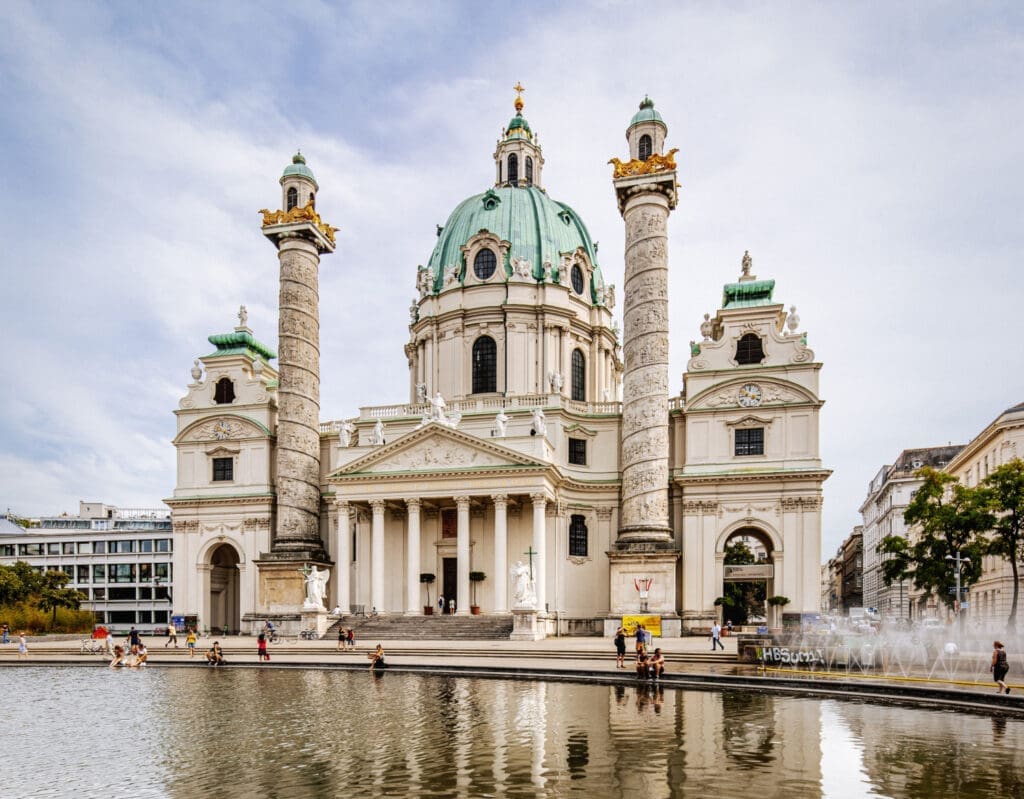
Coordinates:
579 377
513 169
485 366
529 171
576 277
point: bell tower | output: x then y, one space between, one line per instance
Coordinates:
645 188
518 160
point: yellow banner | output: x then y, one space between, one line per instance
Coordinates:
651 623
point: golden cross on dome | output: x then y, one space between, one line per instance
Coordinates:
518 88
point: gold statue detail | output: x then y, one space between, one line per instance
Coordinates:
307 213
656 163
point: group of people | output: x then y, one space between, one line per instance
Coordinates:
133 654
648 666
346 638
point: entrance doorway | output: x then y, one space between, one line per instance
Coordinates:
224 590
450 581
748 577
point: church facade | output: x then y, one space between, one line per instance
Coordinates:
534 430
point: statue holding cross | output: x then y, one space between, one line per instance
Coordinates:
524 595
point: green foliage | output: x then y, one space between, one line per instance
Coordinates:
28 617
778 600
24 592
1003 494
428 579
742 600
949 519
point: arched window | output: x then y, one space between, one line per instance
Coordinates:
513 169
529 171
644 149
579 377
485 365
485 264
312 199
749 350
293 198
224 393
577 536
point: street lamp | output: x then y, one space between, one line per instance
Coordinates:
958 561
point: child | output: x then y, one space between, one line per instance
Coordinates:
22 646
261 647
190 641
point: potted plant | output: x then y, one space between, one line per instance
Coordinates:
428 579
474 578
777 602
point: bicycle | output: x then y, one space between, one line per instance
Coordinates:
309 635
94 646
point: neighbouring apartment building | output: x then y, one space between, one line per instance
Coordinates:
119 558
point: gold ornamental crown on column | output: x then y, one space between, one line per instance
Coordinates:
654 164
306 213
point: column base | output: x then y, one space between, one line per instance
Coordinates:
315 619
525 626
633 567
281 584
643 534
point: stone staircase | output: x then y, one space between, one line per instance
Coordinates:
425 628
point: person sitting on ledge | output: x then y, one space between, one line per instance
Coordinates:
656 665
141 655
118 657
641 665
377 658
214 655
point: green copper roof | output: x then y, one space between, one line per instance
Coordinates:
647 113
298 167
748 294
518 124
240 343
539 229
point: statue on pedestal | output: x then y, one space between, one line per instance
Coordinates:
539 424
501 423
524 595
316 587
377 436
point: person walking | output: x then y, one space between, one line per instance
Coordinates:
999 667
716 636
22 646
440 606
620 648
190 641
5 634
261 647
133 638
172 635
351 638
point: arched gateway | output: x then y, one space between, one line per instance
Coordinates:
224 589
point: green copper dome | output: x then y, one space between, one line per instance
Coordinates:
298 167
518 125
539 229
647 113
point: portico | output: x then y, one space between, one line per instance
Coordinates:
393 523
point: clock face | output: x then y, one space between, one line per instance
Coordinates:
750 395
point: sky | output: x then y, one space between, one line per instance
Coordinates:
868 155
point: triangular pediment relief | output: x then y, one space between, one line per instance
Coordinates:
435 448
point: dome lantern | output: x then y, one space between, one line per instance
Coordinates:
518 159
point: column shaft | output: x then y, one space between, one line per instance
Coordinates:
342 555
412 559
500 553
377 557
462 553
539 539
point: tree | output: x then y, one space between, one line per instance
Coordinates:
949 518
54 594
742 599
1003 491
18 582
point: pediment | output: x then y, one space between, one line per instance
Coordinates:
435 448
773 392
223 427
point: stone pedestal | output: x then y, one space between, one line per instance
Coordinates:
315 619
525 626
643 562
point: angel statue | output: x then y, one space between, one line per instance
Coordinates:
316 587
524 594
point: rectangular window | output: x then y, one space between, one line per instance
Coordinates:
163 545
146 545
449 523
30 549
83 574
160 592
119 592
7 550
577 536
145 617
578 451
84 547
124 547
99 593
750 441
160 617
68 548
122 572
145 572
121 616
223 469
99 547
162 571
99 573
145 593
53 549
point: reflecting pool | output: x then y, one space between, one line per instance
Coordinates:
199 732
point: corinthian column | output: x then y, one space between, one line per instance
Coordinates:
377 556
342 555
462 553
412 558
